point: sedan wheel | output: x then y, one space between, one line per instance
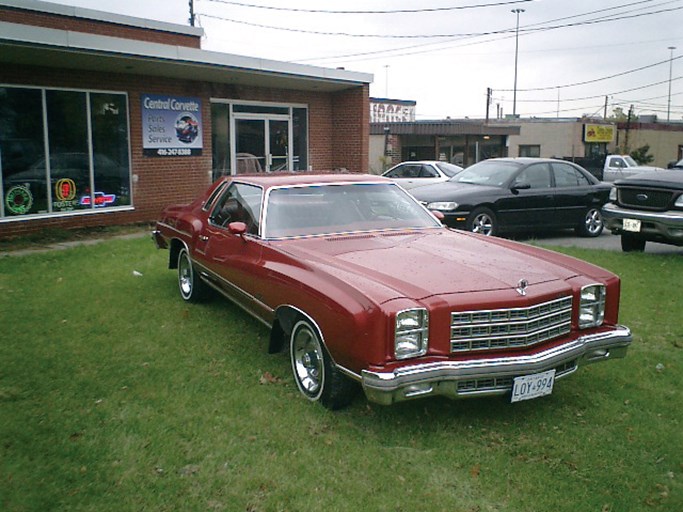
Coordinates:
592 223
483 221
192 289
315 375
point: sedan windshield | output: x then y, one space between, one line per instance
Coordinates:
342 208
490 172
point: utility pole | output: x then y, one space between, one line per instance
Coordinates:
628 129
671 60
489 93
191 2
604 114
514 96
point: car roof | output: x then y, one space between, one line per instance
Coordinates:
305 178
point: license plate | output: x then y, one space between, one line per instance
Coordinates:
533 386
632 225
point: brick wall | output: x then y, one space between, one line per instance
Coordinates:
103 28
338 138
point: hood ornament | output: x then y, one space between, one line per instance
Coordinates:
522 286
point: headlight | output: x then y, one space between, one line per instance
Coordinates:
679 202
442 205
592 307
613 194
412 333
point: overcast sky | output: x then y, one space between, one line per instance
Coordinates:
444 54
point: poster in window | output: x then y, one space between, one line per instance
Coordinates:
171 125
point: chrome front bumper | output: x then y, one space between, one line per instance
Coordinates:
459 379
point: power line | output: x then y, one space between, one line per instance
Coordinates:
440 36
391 11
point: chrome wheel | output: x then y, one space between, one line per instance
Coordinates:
308 362
593 223
190 286
482 221
185 275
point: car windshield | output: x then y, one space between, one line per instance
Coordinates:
489 172
341 208
630 161
449 170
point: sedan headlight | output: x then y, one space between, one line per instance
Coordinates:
613 194
592 307
412 333
442 205
679 202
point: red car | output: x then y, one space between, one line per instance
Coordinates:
362 284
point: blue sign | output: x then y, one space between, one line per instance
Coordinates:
171 125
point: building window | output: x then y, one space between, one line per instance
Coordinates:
63 151
530 150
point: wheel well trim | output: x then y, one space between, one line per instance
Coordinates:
287 331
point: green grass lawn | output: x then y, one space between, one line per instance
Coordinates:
117 396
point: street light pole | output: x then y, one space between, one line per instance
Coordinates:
514 94
671 60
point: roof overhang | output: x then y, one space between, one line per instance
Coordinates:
443 128
45 47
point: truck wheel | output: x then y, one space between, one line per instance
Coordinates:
592 224
632 243
314 373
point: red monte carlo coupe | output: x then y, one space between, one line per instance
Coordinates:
362 284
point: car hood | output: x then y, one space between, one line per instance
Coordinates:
418 265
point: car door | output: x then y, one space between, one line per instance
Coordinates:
234 260
574 195
529 201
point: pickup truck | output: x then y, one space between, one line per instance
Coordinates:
623 166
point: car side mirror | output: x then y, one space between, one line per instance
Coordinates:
520 186
237 228
439 215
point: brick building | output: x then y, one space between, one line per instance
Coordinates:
105 119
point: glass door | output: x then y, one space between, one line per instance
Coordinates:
262 144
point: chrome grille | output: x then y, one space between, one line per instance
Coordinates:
645 198
493 384
510 328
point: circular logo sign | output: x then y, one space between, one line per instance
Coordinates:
65 189
186 128
19 200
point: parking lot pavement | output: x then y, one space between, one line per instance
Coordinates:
605 241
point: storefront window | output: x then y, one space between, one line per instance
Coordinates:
22 149
300 129
87 164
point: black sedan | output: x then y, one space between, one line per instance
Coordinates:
519 194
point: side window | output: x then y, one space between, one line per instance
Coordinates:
568 176
398 172
428 172
239 203
617 162
538 176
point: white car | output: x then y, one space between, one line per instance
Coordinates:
425 172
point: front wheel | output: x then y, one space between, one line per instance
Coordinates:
314 374
483 221
592 224
632 243
191 287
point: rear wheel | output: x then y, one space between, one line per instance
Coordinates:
592 224
191 287
483 221
632 243
314 373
